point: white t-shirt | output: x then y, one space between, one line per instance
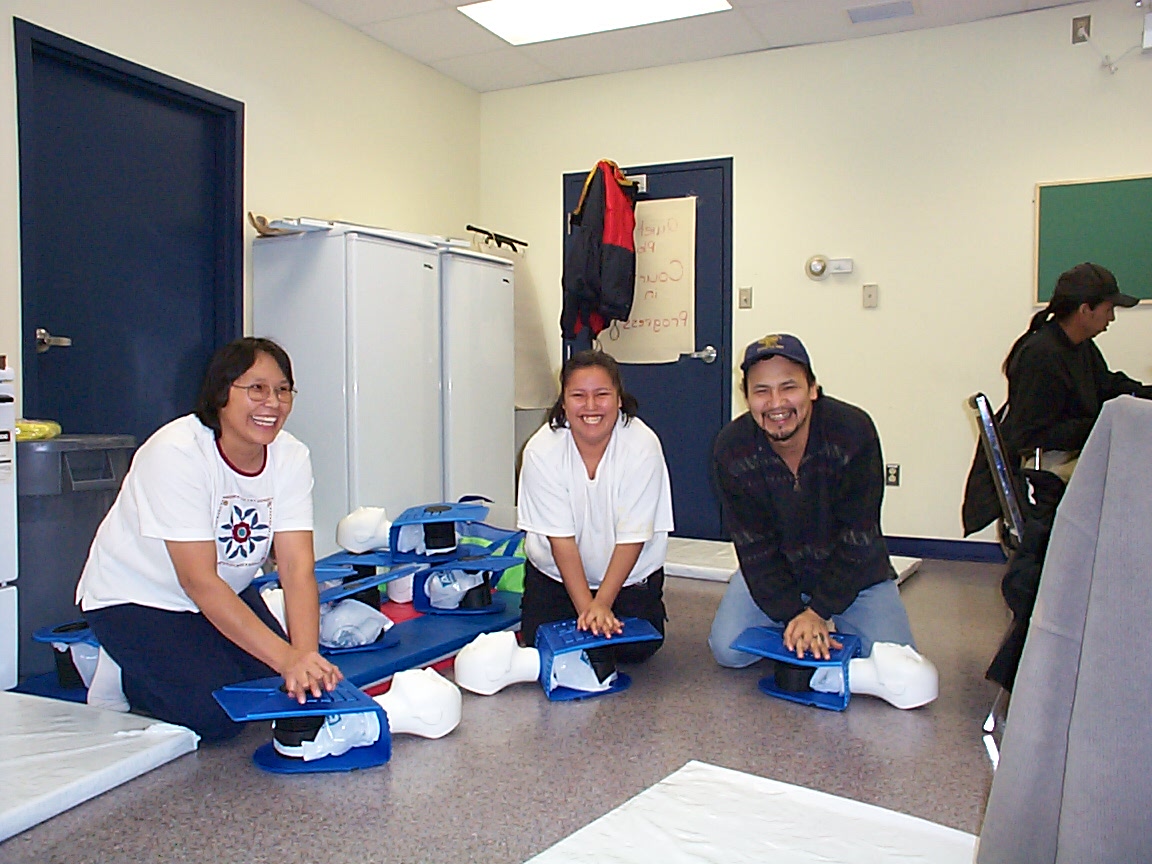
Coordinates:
628 501
180 488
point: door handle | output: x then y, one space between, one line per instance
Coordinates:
45 340
707 354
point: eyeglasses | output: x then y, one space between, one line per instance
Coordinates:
261 392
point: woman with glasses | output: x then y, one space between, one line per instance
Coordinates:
208 497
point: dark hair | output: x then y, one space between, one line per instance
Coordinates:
586 360
1060 307
228 364
808 373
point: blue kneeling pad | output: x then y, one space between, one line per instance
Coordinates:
265 699
562 637
769 642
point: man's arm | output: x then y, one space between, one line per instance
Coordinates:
1112 384
856 541
749 522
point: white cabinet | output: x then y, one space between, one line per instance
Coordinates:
402 354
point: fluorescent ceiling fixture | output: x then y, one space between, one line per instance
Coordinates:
523 22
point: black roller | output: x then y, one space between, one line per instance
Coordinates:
792 678
440 537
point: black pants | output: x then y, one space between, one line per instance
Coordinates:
171 662
546 600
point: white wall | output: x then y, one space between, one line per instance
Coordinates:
337 125
916 154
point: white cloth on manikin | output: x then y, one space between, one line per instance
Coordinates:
629 500
181 488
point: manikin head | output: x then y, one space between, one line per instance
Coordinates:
363 530
492 661
896 674
421 702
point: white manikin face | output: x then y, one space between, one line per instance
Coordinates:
897 674
363 530
492 661
421 702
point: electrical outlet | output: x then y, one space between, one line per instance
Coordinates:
892 474
1081 28
745 297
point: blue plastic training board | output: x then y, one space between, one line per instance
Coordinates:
264 699
355 586
357 758
562 637
769 642
426 639
67 634
497 564
425 513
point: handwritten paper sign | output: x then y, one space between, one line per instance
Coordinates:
662 325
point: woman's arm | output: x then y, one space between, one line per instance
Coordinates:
594 613
295 564
598 616
195 565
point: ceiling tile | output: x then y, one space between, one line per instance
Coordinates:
496 70
663 44
435 35
360 12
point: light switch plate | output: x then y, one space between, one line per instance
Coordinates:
871 296
745 299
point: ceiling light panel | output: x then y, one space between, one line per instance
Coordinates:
523 22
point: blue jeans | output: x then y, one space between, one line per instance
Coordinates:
876 615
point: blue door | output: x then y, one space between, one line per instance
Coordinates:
131 231
687 402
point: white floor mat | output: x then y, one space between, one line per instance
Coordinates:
54 755
716 560
703 814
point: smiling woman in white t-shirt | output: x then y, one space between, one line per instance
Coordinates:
596 504
208 497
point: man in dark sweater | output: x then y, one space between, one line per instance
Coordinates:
1057 378
800 478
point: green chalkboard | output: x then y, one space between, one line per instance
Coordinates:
1107 222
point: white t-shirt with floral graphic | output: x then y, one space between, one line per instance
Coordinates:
180 487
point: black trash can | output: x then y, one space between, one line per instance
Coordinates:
64 488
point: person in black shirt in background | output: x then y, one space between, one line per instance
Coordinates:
1057 378
800 478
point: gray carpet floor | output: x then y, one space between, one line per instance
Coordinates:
521 773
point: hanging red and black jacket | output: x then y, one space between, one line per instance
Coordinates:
599 256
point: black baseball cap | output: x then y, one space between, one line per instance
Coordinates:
1091 284
776 345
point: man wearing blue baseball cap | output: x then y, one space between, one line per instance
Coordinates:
801 478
